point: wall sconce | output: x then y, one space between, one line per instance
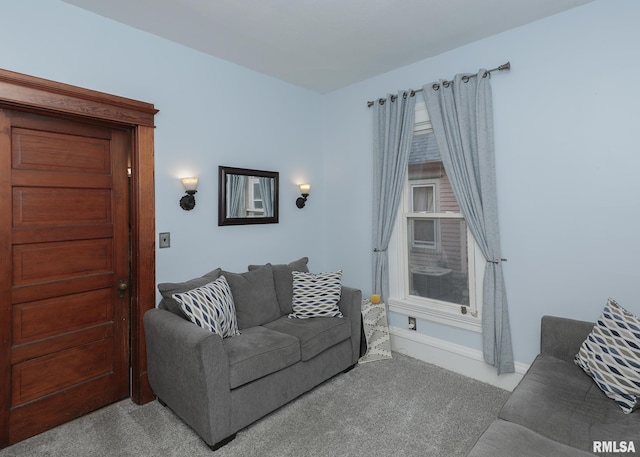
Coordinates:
304 190
187 202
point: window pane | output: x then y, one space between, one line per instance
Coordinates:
422 198
439 270
424 232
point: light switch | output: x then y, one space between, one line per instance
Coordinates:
165 240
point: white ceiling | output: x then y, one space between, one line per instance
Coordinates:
324 45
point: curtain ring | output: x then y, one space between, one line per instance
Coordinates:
436 87
381 101
404 95
446 84
496 261
465 79
393 98
413 93
485 74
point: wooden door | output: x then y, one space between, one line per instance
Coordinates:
64 220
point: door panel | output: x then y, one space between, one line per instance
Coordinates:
69 244
60 152
45 413
42 262
71 367
33 207
43 318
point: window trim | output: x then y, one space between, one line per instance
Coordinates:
404 222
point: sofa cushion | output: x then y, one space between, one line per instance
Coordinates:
210 307
506 439
316 295
254 296
560 401
283 281
167 289
257 352
314 335
611 355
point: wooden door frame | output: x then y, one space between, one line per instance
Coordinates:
32 94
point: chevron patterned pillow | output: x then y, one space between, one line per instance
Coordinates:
316 294
611 356
211 307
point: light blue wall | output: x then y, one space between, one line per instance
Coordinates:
211 113
568 156
566 122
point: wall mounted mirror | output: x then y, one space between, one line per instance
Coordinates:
247 196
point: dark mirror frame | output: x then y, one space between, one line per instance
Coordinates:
223 172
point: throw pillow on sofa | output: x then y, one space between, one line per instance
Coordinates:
254 295
283 281
611 355
211 307
316 294
167 289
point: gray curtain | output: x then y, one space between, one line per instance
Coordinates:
267 190
461 113
236 195
392 133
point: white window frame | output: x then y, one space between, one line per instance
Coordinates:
400 300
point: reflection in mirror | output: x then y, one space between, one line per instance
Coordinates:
247 196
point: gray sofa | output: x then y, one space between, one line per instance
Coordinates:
557 410
219 386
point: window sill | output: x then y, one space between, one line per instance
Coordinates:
438 314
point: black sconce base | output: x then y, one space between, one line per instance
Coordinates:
300 202
188 202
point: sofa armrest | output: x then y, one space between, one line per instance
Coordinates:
351 306
189 371
561 337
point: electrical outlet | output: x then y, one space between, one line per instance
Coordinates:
165 240
412 323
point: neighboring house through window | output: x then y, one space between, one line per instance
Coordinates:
432 255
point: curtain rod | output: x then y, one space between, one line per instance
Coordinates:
504 66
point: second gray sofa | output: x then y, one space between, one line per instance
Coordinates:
557 410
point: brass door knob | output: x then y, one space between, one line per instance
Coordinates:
122 286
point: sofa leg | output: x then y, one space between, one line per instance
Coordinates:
350 368
219 444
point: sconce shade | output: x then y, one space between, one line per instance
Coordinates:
188 201
304 190
190 183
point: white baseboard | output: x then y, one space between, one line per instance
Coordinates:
460 359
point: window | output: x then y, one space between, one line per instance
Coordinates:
255 206
423 197
432 254
436 255
423 232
